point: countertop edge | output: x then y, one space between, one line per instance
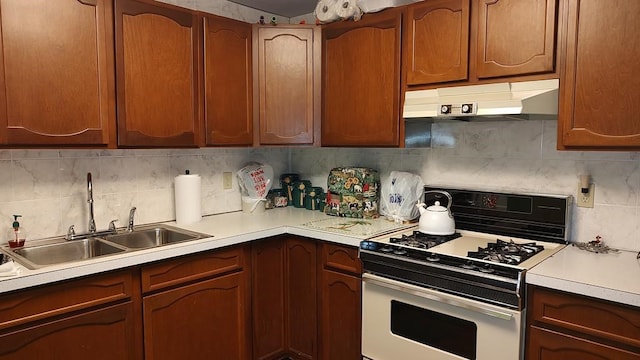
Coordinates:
252 228
610 277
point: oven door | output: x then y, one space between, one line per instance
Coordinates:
403 321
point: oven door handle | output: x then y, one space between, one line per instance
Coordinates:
434 295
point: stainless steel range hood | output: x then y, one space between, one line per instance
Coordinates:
517 100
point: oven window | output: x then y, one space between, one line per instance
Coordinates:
444 332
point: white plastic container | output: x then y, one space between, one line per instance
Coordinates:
253 206
370 6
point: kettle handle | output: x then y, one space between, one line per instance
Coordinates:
445 194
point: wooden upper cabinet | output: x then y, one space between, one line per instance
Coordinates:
361 81
157 71
600 80
287 84
515 37
57 72
437 41
228 82
476 40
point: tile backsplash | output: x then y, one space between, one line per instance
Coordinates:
518 156
48 187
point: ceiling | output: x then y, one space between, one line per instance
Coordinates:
286 8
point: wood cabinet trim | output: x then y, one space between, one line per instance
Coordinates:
57 299
16 344
193 267
341 258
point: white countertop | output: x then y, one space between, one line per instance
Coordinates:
226 229
614 276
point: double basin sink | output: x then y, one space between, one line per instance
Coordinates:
60 251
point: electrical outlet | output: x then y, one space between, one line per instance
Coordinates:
227 180
586 200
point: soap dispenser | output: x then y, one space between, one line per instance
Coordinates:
17 235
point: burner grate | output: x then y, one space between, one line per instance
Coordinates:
421 240
506 252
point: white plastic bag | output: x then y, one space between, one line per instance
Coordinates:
255 180
399 195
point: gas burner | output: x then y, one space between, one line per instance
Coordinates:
506 252
421 240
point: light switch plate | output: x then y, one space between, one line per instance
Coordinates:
227 180
586 200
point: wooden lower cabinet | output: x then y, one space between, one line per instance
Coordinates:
202 308
284 298
306 297
205 320
94 318
552 345
99 334
340 316
564 326
340 299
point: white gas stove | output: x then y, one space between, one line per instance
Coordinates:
459 296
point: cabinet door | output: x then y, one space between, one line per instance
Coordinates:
57 72
103 334
515 37
204 320
437 41
157 75
268 298
340 316
550 345
301 298
227 82
287 65
361 81
598 106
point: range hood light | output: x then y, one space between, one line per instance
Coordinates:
519 98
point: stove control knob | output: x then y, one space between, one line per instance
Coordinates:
400 251
487 269
445 109
433 258
386 249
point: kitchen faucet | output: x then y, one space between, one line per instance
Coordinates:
92 222
71 233
131 213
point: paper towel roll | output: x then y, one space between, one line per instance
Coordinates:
348 9
326 11
187 198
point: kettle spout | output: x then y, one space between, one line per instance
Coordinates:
422 207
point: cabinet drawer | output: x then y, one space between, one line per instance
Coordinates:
51 300
589 316
551 345
341 258
193 267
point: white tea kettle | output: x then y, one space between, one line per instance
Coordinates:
436 219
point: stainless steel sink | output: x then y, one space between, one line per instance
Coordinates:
148 237
37 256
58 251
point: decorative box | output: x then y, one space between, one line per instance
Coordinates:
300 190
286 183
353 192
